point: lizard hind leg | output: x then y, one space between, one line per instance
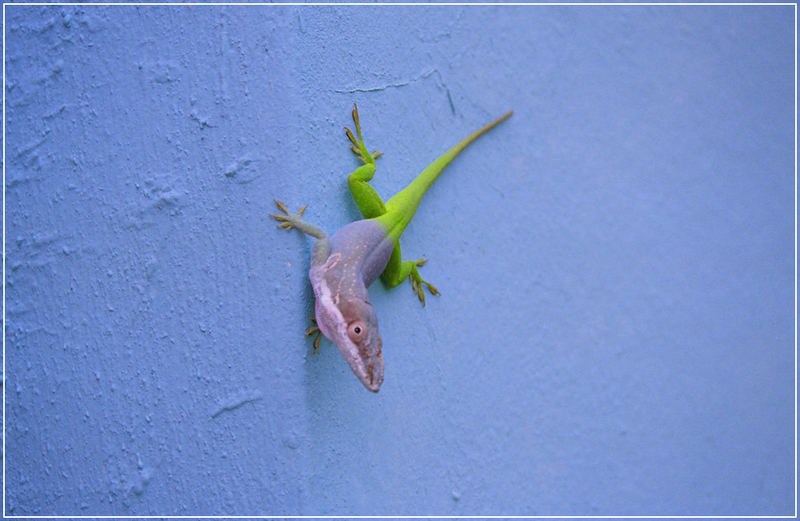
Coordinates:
417 282
366 198
398 270
357 145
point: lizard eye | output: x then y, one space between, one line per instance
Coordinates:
356 330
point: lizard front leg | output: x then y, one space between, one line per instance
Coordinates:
319 252
316 331
288 221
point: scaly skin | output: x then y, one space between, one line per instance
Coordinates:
343 266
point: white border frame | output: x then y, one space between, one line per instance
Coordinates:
499 4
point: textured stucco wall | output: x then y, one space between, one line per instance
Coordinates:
615 331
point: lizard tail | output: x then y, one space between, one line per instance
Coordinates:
407 200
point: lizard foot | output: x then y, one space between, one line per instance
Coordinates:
418 283
287 220
314 330
357 145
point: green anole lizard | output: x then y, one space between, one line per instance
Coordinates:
344 265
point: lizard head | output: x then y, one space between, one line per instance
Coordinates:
353 327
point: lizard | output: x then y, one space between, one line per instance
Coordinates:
345 264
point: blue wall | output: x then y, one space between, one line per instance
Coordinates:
615 331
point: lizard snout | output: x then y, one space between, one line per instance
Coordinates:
374 375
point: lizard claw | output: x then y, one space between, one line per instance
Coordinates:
314 330
287 220
351 137
357 144
418 283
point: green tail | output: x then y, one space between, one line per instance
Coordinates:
401 208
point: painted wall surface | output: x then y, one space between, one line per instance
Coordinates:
615 330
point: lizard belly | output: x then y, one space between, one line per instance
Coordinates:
365 248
